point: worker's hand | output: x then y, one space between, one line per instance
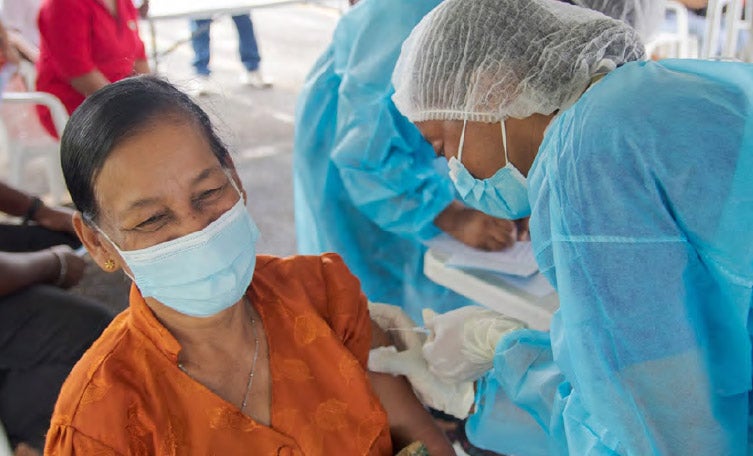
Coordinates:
524 234
55 218
74 266
396 324
453 398
475 228
462 342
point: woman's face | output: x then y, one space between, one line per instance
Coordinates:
483 148
159 185
483 152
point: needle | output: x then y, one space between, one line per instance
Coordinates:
417 329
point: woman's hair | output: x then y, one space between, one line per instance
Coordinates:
114 114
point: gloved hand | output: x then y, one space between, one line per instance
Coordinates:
463 341
453 398
397 324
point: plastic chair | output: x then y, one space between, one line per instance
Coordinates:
26 139
736 22
679 43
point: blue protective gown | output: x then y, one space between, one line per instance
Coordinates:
366 182
642 200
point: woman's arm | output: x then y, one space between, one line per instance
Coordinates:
141 67
695 4
88 83
20 204
58 265
409 421
24 47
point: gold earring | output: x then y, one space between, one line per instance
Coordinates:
109 265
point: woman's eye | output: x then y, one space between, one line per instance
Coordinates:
152 223
209 194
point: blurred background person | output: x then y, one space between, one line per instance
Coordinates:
248 50
85 45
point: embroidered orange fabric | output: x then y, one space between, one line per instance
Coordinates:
128 396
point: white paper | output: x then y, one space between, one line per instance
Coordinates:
517 260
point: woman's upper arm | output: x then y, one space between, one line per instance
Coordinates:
347 308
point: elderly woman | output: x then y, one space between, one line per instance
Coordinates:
638 177
207 360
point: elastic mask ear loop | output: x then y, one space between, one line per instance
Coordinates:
504 140
232 182
102 232
462 140
114 245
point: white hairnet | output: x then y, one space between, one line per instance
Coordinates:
485 60
644 15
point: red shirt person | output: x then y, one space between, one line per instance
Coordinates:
85 45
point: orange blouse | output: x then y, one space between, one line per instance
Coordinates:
128 396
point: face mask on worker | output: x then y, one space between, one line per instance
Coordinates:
202 273
504 195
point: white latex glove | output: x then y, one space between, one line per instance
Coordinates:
453 398
462 342
397 324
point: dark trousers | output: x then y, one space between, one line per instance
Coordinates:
247 47
19 238
43 332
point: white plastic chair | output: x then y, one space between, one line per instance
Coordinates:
21 146
732 18
735 23
679 43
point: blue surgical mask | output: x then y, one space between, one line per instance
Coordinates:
202 273
504 195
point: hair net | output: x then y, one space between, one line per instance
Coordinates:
485 60
644 15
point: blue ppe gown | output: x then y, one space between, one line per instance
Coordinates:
366 182
642 200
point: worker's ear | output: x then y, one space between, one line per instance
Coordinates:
100 249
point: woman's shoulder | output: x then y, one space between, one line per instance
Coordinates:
326 267
98 380
304 283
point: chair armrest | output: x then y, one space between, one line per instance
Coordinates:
57 110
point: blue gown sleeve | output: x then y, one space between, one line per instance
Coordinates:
630 343
386 166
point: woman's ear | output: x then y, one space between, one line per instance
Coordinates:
101 251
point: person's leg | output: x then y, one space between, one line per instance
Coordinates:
43 333
200 43
247 47
20 238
